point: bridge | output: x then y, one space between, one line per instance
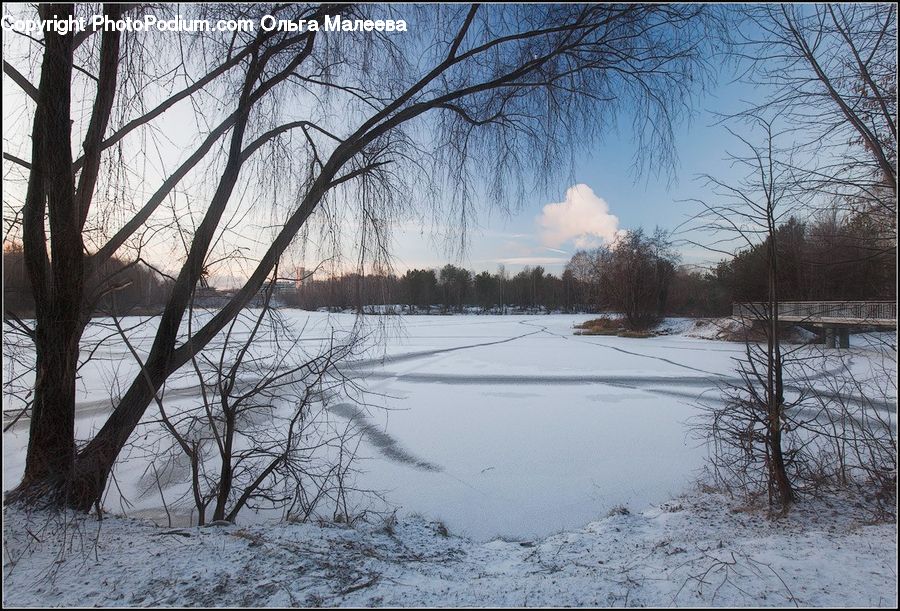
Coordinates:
835 316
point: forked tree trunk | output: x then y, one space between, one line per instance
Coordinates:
57 283
58 278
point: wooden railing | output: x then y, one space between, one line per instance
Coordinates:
880 313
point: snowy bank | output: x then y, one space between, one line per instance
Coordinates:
730 328
700 550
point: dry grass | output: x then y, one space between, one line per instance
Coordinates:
609 326
635 334
735 330
599 326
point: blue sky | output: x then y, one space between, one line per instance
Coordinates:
603 195
648 200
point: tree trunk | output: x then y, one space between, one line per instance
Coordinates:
775 392
226 475
51 441
57 283
96 460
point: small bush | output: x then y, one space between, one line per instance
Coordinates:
440 528
599 326
389 526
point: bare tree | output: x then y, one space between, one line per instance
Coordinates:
639 269
833 72
747 432
260 435
476 91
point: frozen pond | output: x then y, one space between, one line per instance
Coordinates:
533 429
509 426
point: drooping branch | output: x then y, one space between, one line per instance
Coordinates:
168 103
141 216
864 72
146 211
106 90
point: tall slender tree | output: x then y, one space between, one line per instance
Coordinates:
468 92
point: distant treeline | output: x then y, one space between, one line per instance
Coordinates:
829 259
639 277
119 287
853 258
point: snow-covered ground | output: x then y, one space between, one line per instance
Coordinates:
493 426
696 551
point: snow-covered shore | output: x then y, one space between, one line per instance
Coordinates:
703 549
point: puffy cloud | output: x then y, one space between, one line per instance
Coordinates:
582 217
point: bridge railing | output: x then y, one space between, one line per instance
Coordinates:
812 311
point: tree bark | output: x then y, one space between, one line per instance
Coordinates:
775 392
58 279
56 283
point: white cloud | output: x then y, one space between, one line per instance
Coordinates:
582 218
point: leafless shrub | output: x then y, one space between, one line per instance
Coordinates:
725 569
838 426
851 419
739 432
259 436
